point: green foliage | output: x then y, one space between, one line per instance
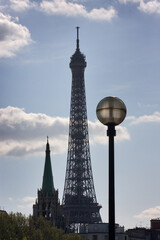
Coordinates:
18 227
71 237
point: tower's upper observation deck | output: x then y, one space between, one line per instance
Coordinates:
78 59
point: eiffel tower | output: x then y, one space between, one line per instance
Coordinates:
79 198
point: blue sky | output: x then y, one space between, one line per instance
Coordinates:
121 41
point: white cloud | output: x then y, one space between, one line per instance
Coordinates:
150 7
149 213
77 8
98 133
71 8
28 199
10 199
127 1
24 133
13 36
21 5
154 118
25 207
62 7
102 14
26 203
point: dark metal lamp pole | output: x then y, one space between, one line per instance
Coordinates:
111 133
111 111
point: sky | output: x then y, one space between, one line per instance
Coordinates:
121 42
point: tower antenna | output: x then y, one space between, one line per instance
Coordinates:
77 38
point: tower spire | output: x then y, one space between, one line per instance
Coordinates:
47 185
47 204
77 38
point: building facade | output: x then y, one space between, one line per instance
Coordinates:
143 233
101 232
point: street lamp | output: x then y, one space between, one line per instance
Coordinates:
111 111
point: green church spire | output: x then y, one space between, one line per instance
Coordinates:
47 185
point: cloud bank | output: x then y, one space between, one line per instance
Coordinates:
24 133
13 36
24 204
149 7
62 7
154 118
129 1
22 5
149 213
73 8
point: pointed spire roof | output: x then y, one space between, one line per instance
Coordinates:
47 185
77 59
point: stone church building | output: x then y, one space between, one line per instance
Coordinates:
47 204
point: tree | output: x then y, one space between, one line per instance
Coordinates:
19 227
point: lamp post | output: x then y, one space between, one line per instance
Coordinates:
111 111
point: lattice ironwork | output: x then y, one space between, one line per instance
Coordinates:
79 198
